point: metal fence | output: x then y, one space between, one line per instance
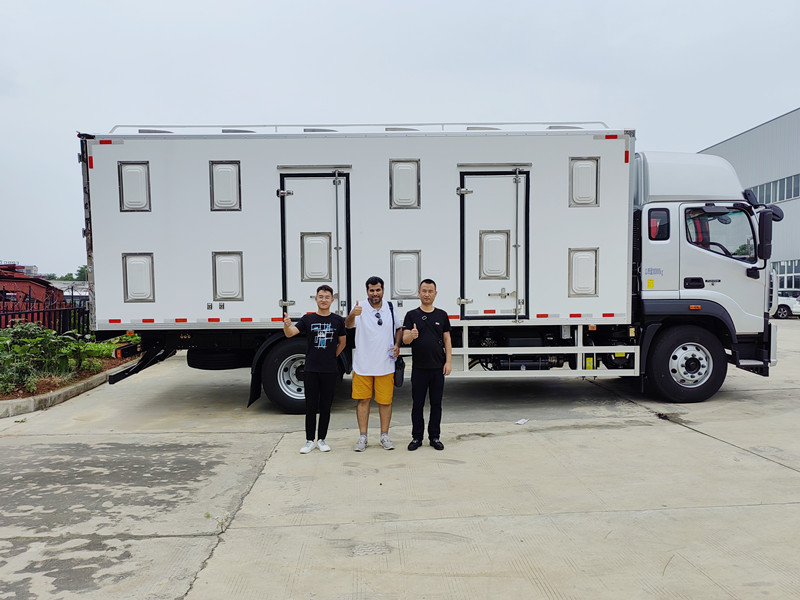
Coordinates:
59 320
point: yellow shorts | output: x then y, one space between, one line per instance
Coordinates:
383 385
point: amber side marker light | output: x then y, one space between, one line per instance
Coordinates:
695 307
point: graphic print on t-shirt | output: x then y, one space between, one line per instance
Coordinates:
323 334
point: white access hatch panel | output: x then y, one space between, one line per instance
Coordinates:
315 256
228 276
405 273
404 183
583 183
495 252
134 186
583 272
225 186
137 277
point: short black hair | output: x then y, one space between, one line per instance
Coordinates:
375 280
431 281
325 288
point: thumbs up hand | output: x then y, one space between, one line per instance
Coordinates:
414 332
356 310
287 322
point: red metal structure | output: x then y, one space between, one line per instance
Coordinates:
32 299
21 292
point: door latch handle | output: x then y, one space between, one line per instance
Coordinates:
503 294
693 283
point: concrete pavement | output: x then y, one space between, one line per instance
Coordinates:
163 486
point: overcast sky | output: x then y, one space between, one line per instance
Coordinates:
683 74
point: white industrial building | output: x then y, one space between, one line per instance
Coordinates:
767 159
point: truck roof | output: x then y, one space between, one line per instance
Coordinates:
360 129
670 176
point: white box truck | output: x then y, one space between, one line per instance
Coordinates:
557 250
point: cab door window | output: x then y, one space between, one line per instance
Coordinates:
722 230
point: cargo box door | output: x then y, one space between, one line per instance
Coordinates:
315 249
494 244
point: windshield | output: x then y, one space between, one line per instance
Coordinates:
729 233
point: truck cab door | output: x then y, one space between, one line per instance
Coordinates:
717 256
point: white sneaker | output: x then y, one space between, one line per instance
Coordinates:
323 446
386 442
307 447
361 444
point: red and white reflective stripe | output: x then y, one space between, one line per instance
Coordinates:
213 319
105 142
246 320
453 317
542 316
489 311
608 314
575 315
181 320
276 319
148 320
115 321
91 162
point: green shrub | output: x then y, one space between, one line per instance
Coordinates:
29 352
92 365
100 349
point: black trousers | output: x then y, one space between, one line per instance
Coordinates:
428 382
320 388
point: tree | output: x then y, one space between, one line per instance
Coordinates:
82 274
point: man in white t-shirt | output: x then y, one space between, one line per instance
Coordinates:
378 334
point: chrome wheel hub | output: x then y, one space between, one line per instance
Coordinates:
690 365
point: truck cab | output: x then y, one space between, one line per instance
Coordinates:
704 273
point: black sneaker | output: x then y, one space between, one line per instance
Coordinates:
414 444
437 444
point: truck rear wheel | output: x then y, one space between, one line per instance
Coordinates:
282 376
687 364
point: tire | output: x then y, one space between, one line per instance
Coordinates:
783 312
687 364
611 361
217 360
282 376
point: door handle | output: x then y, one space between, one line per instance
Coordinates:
693 283
504 294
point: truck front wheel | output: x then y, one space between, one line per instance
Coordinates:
783 312
687 364
282 376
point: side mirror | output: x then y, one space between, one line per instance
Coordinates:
765 235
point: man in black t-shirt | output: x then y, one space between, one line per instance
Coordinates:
325 340
427 330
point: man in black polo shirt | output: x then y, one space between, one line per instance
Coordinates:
427 330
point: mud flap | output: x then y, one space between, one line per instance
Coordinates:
151 357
